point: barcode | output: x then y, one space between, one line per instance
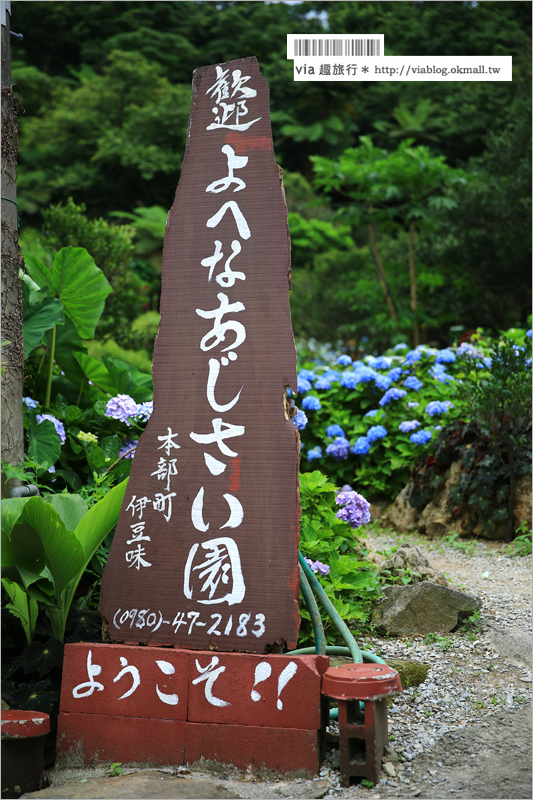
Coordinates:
336 47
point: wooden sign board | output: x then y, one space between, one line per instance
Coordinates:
205 551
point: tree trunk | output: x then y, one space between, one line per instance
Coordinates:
12 344
412 281
381 275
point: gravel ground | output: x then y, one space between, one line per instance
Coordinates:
465 732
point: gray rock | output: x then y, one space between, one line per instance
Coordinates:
422 608
400 515
409 560
513 644
142 784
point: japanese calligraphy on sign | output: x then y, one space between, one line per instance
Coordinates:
205 552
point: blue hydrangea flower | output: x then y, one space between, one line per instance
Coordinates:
29 403
355 511
409 425
365 374
122 407
395 373
412 382
412 404
528 333
420 437
372 412
330 375
322 384
400 346
128 444
311 403
334 430
289 392
339 449
468 349
349 379
376 432
145 411
344 361
306 375
382 362
446 356
60 428
361 447
51 470
299 420
412 356
303 386
315 452
438 407
392 394
383 382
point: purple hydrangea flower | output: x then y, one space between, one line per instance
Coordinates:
412 382
355 511
29 403
334 430
339 449
372 412
315 452
322 384
383 382
299 420
361 447
349 379
128 445
311 403
306 375
145 411
303 386
420 437
376 432
438 407
344 361
395 373
318 566
122 407
409 425
60 428
392 394
446 356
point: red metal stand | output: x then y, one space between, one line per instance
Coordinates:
362 691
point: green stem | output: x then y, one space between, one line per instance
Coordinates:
50 368
81 389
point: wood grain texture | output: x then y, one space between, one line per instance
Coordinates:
191 594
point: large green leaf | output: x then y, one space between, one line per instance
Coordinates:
12 508
99 520
80 285
67 343
39 317
70 507
24 607
129 380
96 372
63 552
23 548
45 447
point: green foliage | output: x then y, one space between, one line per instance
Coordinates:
352 582
522 543
47 544
115 769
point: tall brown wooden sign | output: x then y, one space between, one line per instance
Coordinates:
205 552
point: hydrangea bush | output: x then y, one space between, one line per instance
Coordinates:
367 422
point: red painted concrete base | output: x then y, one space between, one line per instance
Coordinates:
163 706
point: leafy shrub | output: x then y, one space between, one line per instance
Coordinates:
351 582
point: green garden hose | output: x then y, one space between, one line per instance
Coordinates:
314 613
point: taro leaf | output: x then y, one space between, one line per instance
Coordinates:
70 507
39 319
129 380
71 479
111 446
45 446
97 373
63 552
42 657
39 696
80 285
72 414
